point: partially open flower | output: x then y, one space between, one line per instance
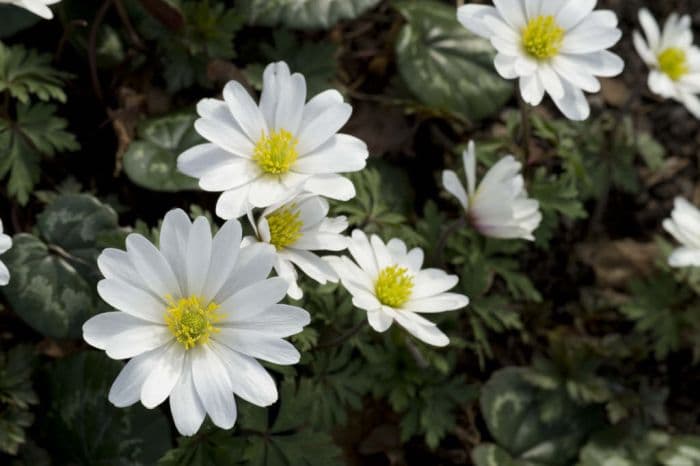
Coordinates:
260 155
499 206
553 46
672 57
684 226
193 316
296 229
38 7
386 280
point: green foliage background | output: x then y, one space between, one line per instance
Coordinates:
578 349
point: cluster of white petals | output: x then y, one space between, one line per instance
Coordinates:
499 207
38 7
673 59
387 281
194 316
260 155
558 47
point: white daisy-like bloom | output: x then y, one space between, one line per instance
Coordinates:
672 57
38 7
259 155
193 316
297 228
499 206
553 46
684 226
386 280
5 244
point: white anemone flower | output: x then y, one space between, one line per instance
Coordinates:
386 280
499 206
38 7
684 226
5 244
672 57
296 229
194 316
259 155
553 46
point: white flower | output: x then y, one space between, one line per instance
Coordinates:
672 57
295 229
261 155
193 316
499 207
386 280
5 244
684 225
553 46
38 7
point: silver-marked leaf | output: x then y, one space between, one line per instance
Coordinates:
151 160
304 14
445 66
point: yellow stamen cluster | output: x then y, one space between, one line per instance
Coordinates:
542 37
276 152
192 320
393 286
285 226
674 63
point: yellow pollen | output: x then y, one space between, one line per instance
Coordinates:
674 63
542 37
191 320
276 152
393 286
285 226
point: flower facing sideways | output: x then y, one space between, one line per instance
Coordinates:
684 226
499 206
553 46
386 280
260 155
193 316
38 7
295 229
672 57
5 244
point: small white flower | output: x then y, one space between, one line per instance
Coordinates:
5 244
261 155
672 57
684 226
499 207
193 316
295 229
553 46
386 280
38 7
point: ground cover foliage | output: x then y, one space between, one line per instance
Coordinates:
580 348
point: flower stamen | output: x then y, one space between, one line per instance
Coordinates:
542 37
191 320
393 286
285 226
674 63
276 152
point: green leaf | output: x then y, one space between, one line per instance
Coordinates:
211 446
26 72
91 429
15 19
445 66
304 14
151 160
533 425
52 286
35 133
16 395
488 454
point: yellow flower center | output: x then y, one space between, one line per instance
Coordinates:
276 152
191 320
542 37
674 63
393 286
285 226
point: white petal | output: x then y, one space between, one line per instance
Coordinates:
213 386
248 377
137 340
441 303
472 17
152 266
174 234
332 186
98 330
186 407
452 184
126 389
422 329
319 103
323 127
268 190
258 345
164 375
233 203
311 265
340 154
650 27
573 105
231 175
379 320
225 138
278 320
573 12
684 257
114 263
224 253
253 265
253 300
513 12
245 111
198 256
132 300
363 253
